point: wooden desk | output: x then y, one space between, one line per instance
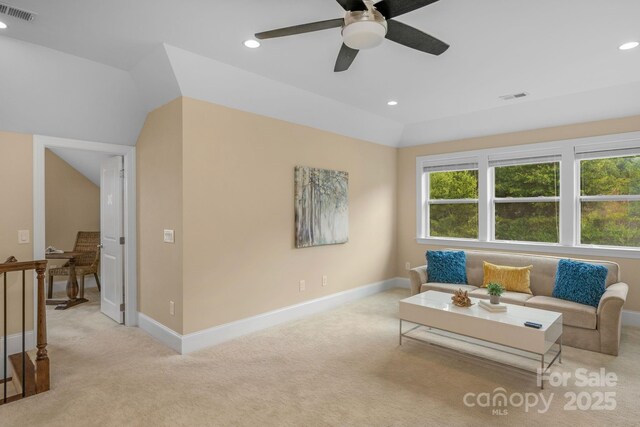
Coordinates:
72 282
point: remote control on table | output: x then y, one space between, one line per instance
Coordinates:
533 325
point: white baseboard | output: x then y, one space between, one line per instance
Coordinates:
14 345
167 336
631 318
208 337
218 334
403 282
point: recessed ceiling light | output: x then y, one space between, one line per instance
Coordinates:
629 45
252 44
2 25
392 103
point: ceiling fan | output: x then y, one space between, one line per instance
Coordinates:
365 25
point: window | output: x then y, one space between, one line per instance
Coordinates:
452 200
609 199
577 197
526 202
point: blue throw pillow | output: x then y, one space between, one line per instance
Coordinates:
580 282
447 267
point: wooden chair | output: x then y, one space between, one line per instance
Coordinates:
88 243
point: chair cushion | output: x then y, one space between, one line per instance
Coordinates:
516 279
447 267
580 282
446 287
573 313
509 297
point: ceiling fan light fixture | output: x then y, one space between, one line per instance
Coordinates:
364 29
364 34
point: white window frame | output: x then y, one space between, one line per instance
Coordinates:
520 159
569 195
429 201
599 198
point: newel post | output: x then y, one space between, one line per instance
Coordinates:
42 359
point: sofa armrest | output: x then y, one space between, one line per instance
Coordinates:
418 276
609 317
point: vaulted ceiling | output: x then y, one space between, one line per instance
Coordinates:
564 54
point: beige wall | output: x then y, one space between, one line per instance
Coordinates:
223 180
159 192
239 254
72 203
409 250
16 213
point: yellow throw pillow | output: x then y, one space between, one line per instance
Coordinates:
514 279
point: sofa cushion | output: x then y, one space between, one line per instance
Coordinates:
446 287
573 313
580 282
542 275
509 297
447 267
514 279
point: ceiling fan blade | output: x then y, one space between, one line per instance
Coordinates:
303 28
392 8
352 5
345 58
415 39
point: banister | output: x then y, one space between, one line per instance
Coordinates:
42 358
10 266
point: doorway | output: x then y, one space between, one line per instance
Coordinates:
126 157
72 224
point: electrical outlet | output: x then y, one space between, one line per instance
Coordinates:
324 280
407 265
172 308
303 286
169 236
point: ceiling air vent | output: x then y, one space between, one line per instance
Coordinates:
16 13
514 96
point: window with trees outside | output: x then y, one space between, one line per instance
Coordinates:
610 201
453 201
570 197
526 202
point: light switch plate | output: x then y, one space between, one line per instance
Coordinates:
23 237
169 236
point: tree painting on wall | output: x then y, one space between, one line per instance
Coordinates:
322 207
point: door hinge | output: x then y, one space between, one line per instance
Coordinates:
121 173
122 240
122 307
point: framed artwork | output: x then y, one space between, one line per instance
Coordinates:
322 207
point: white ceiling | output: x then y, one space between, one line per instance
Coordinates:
554 50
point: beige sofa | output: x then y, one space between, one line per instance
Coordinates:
584 326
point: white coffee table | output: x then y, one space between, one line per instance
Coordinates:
436 310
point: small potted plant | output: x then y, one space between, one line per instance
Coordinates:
495 290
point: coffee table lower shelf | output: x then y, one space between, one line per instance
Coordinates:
540 373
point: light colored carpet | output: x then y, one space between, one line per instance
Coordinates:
339 368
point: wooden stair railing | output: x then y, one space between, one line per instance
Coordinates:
29 379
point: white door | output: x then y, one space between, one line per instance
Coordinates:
111 234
